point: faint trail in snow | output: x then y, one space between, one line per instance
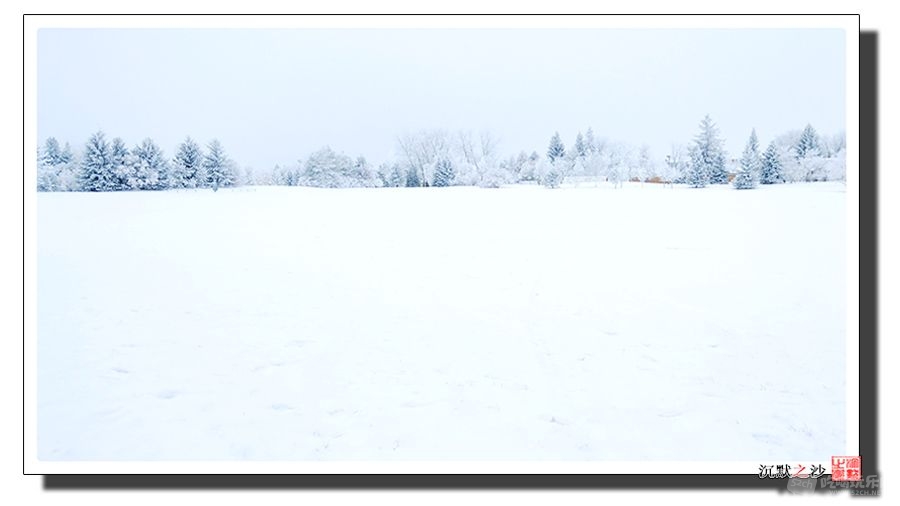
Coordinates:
569 335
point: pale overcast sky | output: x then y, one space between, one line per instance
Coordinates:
274 96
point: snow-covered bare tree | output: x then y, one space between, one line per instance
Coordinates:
419 151
837 166
645 168
477 161
594 165
676 166
616 164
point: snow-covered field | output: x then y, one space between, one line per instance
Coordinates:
443 323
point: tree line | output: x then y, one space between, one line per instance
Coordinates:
789 158
438 158
111 166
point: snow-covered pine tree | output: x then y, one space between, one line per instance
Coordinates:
52 154
516 165
187 166
294 177
550 173
53 163
360 175
47 181
279 176
384 175
96 165
808 145
556 149
580 147
121 166
396 176
444 174
286 176
66 155
771 171
511 168
750 165
710 153
809 156
151 169
218 168
69 173
320 169
594 164
412 177
590 144
529 171
246 177
493 175
696 175
326 169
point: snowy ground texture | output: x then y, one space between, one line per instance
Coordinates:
520 323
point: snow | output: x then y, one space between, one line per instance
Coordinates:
520 323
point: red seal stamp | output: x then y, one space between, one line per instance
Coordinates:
846 468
